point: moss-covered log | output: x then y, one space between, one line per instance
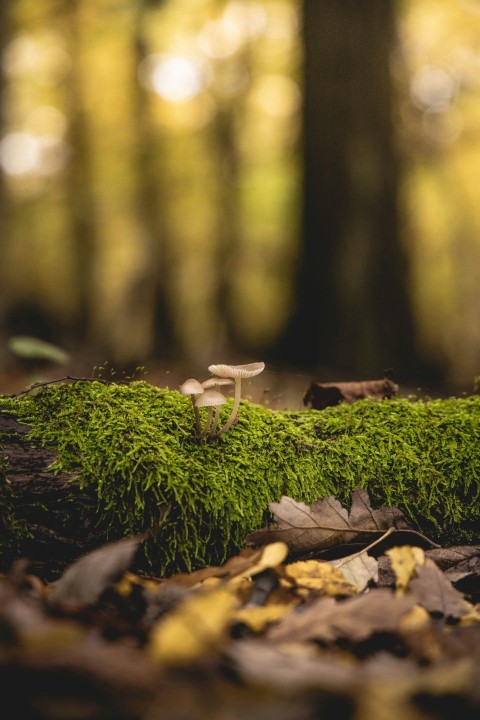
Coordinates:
103 461
44 516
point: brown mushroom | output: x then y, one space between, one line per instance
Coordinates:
235 372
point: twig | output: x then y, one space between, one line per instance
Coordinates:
366 549
66 378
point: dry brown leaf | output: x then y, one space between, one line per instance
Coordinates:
290 668
435 592
354 619
359 569
322 395
457 559
87 578
327 524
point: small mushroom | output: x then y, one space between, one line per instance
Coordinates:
235 372
210 399
194 388
216 382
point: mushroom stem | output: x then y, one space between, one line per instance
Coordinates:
208 423
197 416
215 422
236 404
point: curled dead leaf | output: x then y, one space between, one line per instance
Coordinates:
321 577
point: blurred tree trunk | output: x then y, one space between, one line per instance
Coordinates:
353 311
229 239
151 203
5 7
80 178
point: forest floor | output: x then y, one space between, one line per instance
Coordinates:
374 629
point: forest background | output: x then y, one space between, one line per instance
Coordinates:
193 181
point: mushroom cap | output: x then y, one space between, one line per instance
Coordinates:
237 371
210 398
191 387
216 382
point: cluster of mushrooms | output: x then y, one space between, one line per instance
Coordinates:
206 394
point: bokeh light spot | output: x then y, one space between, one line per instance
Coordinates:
19 153
433 88
176 78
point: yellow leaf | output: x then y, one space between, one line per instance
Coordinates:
404 559
125 585
472 617
258 618
320 576
415 619
211 582
272 556
196 627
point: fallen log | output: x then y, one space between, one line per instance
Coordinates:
44 516
88 462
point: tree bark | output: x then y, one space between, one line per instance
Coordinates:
353 309
81 197
59 518
152 293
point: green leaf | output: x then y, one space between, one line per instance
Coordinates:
36 349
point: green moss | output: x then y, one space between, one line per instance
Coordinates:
11 527
136 445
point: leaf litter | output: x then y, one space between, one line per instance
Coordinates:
278 631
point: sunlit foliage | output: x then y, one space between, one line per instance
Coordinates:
190 106
149 153
438 121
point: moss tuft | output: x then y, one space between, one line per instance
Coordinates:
136 445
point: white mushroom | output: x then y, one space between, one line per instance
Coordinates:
210 399
194 388
216 382
236 372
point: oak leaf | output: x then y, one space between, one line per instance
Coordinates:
459 559
327 524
